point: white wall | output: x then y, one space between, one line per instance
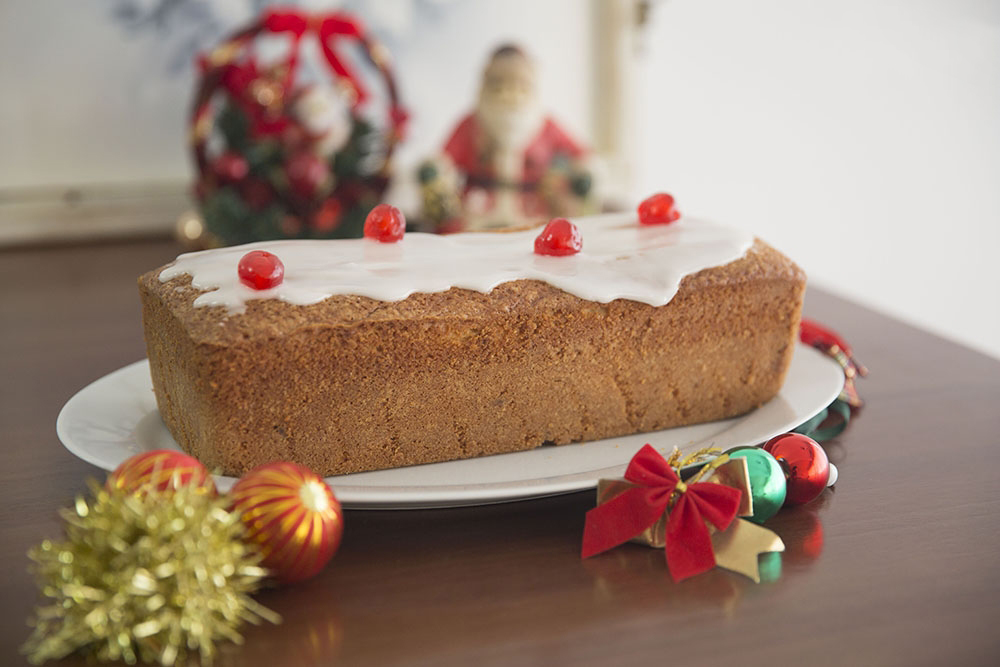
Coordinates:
860 137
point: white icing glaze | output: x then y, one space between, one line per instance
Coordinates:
621 259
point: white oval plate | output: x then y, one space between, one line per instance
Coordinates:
115 417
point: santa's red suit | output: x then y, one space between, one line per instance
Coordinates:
468 148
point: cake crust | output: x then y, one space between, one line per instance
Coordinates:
352 384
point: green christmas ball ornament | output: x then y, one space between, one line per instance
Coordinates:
767 482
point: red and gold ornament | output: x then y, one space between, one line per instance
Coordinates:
292 515
160 469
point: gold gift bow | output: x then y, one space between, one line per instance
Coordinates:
735 548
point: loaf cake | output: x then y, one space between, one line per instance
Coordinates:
370 356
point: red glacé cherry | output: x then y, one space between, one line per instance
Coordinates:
658 210
807 468
385 224
260 269
560 237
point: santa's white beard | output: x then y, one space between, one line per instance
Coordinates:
510 132
326 115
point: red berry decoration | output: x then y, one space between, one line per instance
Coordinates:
328 217
231 167
307 174
260 269
160 470
807 468
292 515
385 224
658 210
257 193
560 237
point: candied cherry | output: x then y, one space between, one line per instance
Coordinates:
260 269
385 224
658 210
560 237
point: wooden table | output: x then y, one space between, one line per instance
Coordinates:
900 565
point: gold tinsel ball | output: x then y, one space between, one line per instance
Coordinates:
145 577
161 469
292 515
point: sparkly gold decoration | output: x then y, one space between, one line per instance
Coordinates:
145 577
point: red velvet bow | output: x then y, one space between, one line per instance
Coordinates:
688 542
327 29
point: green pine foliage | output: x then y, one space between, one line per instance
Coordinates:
358 182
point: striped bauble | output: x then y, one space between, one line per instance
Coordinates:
292 515
162 470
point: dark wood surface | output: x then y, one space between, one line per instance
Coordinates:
899 565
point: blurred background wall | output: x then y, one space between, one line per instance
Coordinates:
862 138
96 96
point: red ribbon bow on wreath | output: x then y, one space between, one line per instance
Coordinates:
326 28
688 542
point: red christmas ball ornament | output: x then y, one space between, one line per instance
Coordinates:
292 515
257 193
230 167
658 210
807 468
260 269
328 217
290 225
307 173
559 238
385 224
160 470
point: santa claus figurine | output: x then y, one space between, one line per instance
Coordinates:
511 164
